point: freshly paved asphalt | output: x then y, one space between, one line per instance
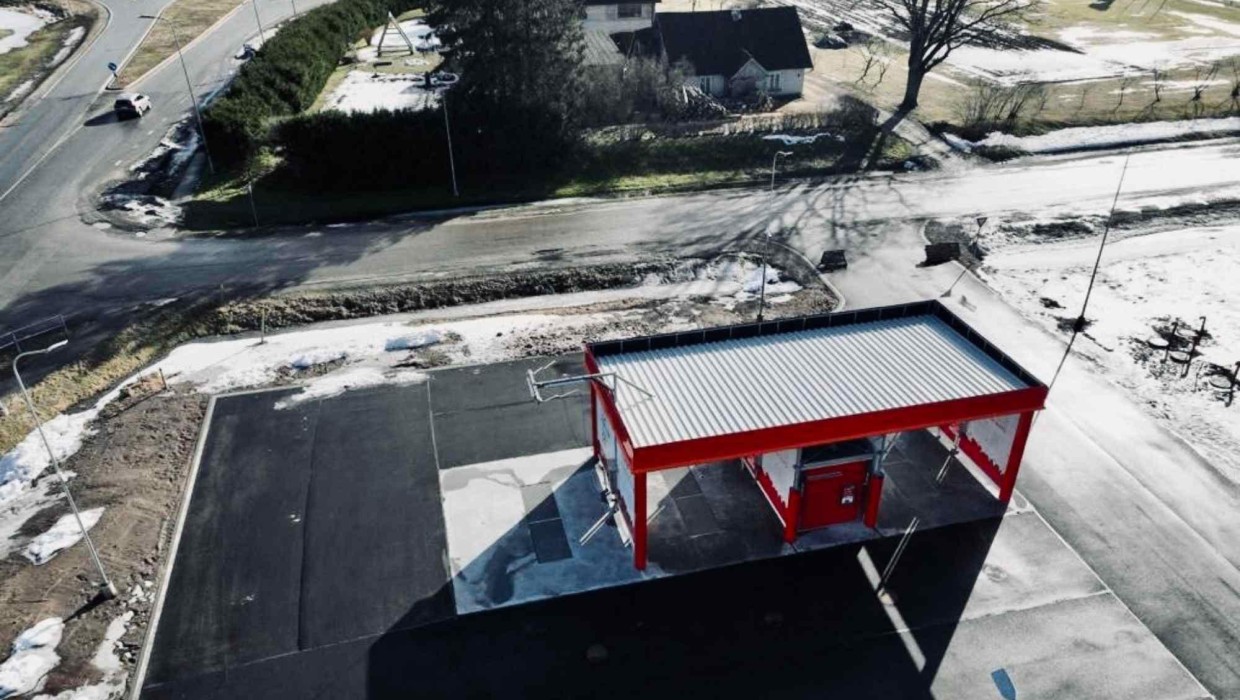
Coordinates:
312 565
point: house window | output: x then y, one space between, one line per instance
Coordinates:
629 10
772 81
704 83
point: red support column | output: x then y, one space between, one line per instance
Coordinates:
1015 456
872 499
594 422
792 516
639 520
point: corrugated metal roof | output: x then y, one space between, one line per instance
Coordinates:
732 386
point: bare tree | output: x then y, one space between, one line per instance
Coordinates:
1159 77
935 28
875 57
1123 90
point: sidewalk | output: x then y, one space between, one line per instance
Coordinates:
1141 506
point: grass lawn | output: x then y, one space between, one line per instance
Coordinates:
1183 30
192 18
31 61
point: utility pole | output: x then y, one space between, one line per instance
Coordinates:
107 590
767 251
189 85
261 34
448 129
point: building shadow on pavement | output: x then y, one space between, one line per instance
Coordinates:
810 625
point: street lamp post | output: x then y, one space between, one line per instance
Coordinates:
766 252
778 155
257 19
443 95
188 86
107 590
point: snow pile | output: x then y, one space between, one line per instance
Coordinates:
361 91
740 280
219 366
70 43
793 140
350 379
413 341
63 535
34 656
1110 136
22 23
20 91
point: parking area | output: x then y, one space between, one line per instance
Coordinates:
377 544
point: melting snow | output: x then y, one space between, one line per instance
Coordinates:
362 91
1116 135
33 657
22 23
63 535
349 379
106 660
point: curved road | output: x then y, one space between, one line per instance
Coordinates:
51 262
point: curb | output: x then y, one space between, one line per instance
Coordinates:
148 641
171 57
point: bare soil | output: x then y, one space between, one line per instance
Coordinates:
135 467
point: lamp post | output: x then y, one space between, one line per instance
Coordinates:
107 590
778 155
447 127
762 289
188 86
259 21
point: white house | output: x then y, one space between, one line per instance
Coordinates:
614 17
738 52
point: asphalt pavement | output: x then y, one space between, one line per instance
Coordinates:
313 565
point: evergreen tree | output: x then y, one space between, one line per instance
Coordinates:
519 62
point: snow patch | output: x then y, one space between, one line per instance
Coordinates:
29 458
71 41
33 657
22 22
793 140
350 379
413 341
63 535
361 91
112 685
1102 136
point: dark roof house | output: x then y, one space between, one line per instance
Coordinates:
722 42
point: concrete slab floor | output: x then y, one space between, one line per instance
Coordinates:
515 527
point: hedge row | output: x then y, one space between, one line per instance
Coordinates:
288 73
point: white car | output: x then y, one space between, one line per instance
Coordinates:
131 104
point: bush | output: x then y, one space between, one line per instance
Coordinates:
288 73
365 151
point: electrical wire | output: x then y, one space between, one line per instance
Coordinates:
1079 324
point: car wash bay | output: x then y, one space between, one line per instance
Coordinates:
313 564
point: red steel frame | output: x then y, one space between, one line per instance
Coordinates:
943 415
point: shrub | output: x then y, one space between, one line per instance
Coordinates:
288 73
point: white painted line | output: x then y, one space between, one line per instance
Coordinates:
148 644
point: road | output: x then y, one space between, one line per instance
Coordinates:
65 144
1166 545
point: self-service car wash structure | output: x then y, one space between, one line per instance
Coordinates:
808 405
